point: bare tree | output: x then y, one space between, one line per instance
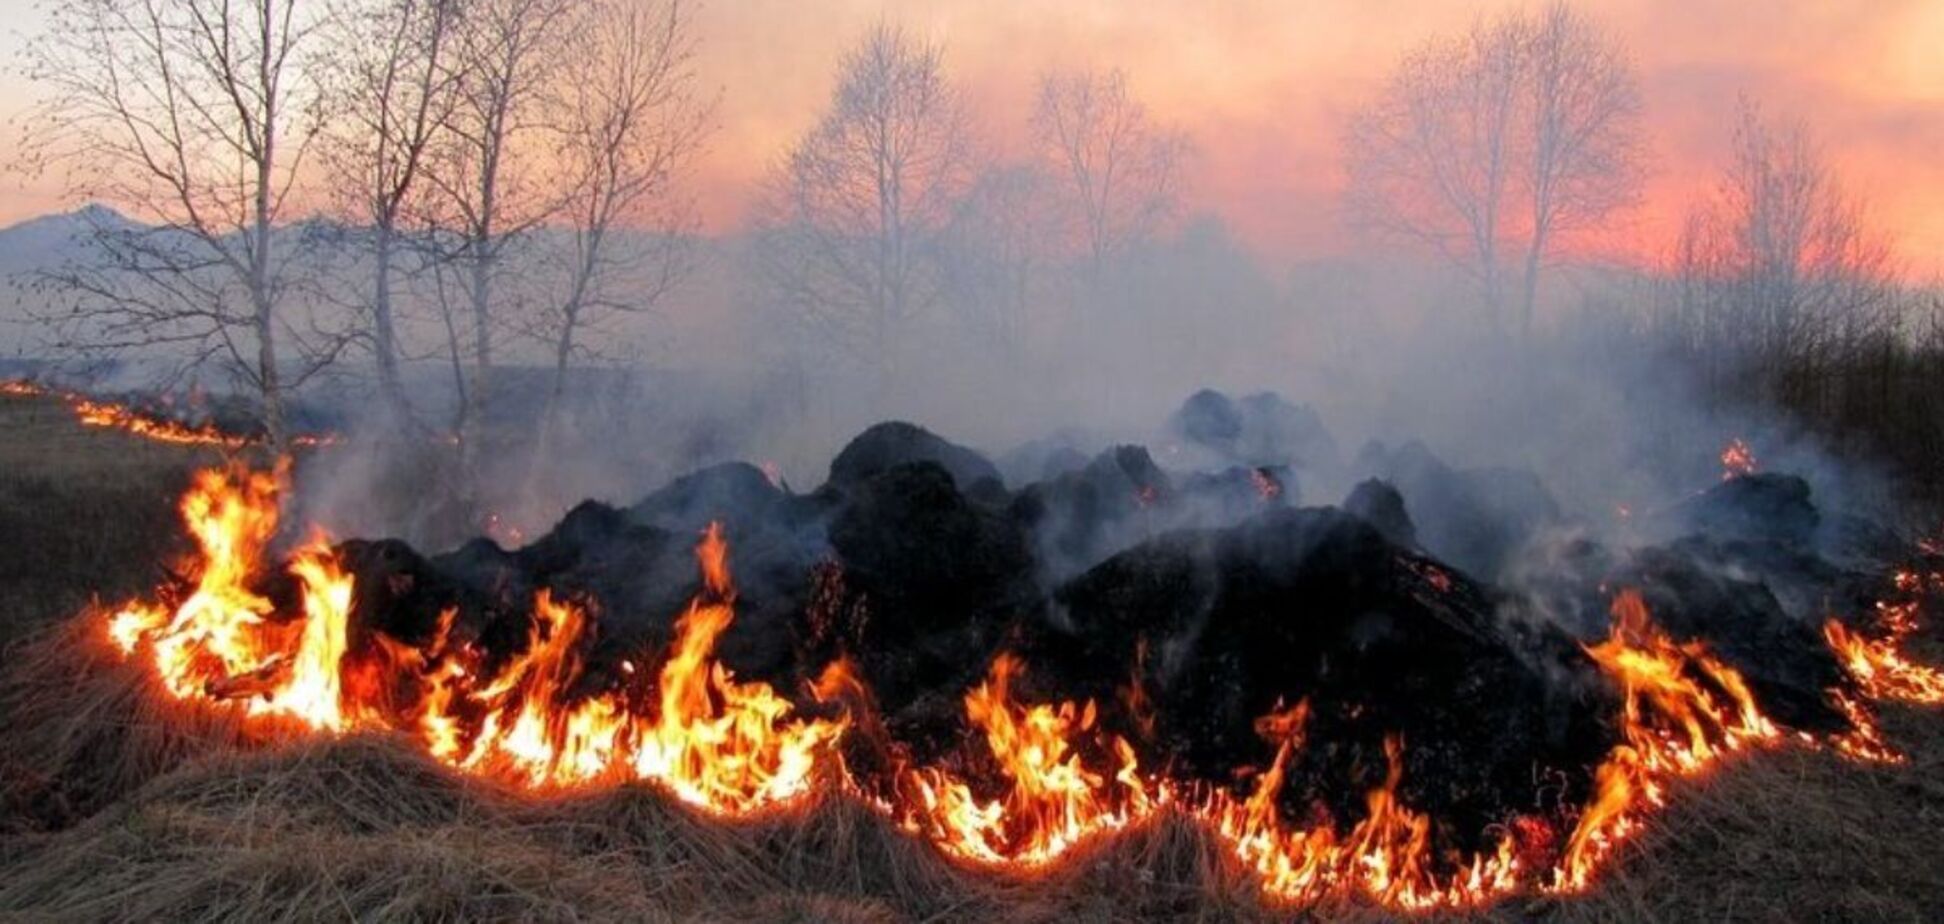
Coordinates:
194 116
632 119
851 217
1779 272
1582 154
993 249
395 88
1499 141
490 172
1120 172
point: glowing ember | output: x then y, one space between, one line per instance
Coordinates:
1266 486
1737 459
731 747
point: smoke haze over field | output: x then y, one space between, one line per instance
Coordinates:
1282 218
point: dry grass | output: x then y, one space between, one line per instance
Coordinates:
111 809
82 512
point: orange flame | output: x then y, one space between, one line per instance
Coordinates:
1683 711
122 417
723 745
1880 666
92 412
732 747
1054 802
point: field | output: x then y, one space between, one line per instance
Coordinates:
113 806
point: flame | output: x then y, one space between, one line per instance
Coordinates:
1882 671
1683 711
541 720
93 412
714 742
122 417
1737 459
1880 666
1054 800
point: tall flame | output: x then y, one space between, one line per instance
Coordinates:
717 743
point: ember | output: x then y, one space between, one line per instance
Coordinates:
1737 459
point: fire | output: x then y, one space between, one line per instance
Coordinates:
1880 667
540 720
1386 857
92 412
122 417
1737 460
1882 670
723 745
1054 801
1683 711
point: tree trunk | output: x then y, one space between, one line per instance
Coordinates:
268 379
269 383
385 328
1529 289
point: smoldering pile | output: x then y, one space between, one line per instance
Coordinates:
1443 608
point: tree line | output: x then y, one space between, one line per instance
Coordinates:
514 172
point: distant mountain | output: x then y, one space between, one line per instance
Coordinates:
26 243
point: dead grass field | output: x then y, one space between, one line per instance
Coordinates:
109 811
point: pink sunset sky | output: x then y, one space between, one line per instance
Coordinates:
1262 87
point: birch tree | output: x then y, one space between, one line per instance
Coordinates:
1119 171
1494 145
849 225
633 118
193 117
492 180
395 82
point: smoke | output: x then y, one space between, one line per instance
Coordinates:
1341 371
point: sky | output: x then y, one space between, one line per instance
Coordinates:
1263 86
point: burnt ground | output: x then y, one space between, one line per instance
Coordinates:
1782 836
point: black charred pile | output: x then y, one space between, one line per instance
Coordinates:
1193 637
1747 570
1477 519
1258 430
1188 606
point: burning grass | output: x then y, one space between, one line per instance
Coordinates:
139 806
